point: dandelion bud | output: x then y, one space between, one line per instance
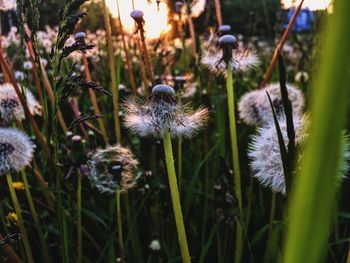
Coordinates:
137 15
80 36
163 90
178 7
228 43
224 29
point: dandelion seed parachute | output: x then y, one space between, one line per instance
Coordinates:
16 150
163 113
112 169
254 107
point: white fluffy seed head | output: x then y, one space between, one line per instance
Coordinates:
254 107
112 169
16 150
157 116
11 107
8 5
264 153
242 60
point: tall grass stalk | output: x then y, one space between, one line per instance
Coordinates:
10 253
314 191
127 55
235 160
44 247
21 226
175 196
269 236
79 221
120 229
218 12
112 67
93 100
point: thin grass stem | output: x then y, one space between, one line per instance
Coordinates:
21 226
79 221
112 67
45 249
120 228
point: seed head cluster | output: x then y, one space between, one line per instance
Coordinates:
163 113
112 169
254 107
264 153
16 150
11 107
8 5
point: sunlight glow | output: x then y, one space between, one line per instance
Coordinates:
156 21
311 4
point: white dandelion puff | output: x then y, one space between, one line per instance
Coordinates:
242 60
112 169
264 153
155 245
16 150
163 113
254 107
11 107
8 5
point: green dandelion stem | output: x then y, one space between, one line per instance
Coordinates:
175 196
79 222
22 229
120 228
45 249
179 160
235 159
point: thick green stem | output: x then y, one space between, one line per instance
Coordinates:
175 196
21 226
112 67
120 229
179 161
235 159
79 220
45 249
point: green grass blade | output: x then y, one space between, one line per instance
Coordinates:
313 197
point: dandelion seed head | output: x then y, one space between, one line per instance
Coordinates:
155 245
16 150
254 107
11 107
163 113
8 5
112 169
264 152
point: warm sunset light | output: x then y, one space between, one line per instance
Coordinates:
156 20
311 4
